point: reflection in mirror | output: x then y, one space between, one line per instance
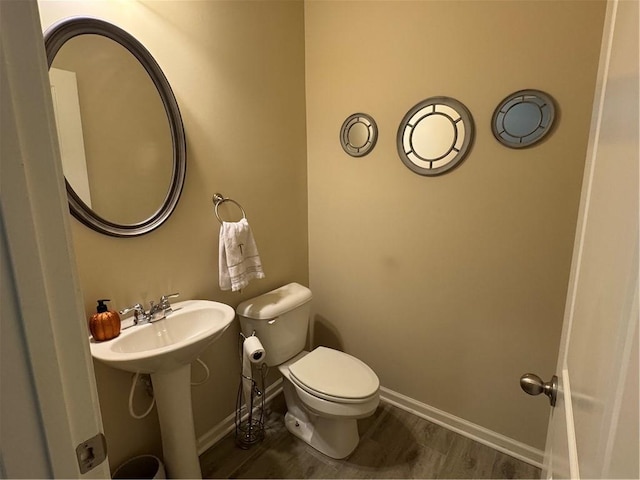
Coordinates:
120 131
523 118
358 134
116 151
435 136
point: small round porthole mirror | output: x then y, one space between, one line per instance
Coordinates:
523 118
435 136
358 134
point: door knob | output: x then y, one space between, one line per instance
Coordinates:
533 385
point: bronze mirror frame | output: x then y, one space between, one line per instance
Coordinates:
459 124
531 125
362 120
54 38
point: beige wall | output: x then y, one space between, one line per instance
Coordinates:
451 287
237 70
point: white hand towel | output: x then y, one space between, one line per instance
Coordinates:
239 259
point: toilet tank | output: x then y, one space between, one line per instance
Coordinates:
280 319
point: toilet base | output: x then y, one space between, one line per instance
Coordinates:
331 428
336 438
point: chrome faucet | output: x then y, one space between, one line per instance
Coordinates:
156 311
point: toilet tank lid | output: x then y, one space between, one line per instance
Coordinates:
275 303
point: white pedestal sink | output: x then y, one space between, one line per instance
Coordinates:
165 349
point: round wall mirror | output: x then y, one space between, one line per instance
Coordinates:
523 118
358 134
119 127
435 136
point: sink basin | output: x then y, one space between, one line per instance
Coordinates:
165 349
166 344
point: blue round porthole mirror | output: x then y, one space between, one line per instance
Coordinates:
523 118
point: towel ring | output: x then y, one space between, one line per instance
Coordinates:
218 199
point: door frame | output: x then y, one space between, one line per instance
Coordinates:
42 270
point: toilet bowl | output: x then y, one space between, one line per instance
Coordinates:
323 404
326 391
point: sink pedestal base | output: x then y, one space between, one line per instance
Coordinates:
172 391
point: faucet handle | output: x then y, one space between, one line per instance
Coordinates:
165 304
137 309
164 298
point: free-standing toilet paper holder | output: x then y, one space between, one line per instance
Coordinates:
249 417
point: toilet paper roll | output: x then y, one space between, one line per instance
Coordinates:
253 352
253 349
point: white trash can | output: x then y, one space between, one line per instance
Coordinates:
143 466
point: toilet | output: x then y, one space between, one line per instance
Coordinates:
326 390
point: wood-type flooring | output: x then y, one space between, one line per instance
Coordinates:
393 444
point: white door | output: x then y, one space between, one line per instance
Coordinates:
66 106
593 429
49 399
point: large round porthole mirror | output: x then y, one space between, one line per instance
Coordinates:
523 118
435 136
119 127
358 134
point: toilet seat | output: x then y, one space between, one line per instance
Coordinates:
334 376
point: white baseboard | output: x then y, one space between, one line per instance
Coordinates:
217 433
470 430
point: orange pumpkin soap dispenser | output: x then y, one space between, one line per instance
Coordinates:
104 324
